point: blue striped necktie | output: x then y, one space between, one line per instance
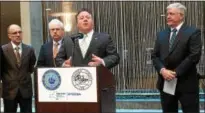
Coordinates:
171 41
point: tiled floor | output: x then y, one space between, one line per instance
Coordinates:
119 110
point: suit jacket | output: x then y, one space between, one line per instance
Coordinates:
45 58
183 57
1 68
16 77
2 61
101 45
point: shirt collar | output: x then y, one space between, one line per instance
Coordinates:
14 45
89 34
59 42
178 27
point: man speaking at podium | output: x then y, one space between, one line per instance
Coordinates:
93 49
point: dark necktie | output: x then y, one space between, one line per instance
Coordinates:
18 57
171 41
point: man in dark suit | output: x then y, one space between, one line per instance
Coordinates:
93 49
1 68
49 50
176 53
16 78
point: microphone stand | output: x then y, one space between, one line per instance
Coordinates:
75 40
73 50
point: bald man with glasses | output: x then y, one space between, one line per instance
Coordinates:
19 61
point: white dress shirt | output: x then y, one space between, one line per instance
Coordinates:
178 28
14 46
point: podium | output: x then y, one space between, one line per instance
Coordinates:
75 90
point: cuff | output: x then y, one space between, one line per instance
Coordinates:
103 62
161 70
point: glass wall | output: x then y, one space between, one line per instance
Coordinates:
133 27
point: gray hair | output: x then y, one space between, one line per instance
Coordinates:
55 21
179 6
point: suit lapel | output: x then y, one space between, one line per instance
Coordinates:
166 36
24 51
50 49
50 52
10 52
178 37
78 50
92 44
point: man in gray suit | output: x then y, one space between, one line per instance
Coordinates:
93 49
16 78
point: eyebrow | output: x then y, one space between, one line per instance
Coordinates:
15 32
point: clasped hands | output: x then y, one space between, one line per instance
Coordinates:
95 61
168 74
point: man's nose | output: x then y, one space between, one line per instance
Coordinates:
85 20
18 34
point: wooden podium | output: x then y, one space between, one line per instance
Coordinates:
105 95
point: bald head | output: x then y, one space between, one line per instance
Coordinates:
12 27
15 33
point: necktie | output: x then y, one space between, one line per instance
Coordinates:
171 41
18 57
84 45
55 49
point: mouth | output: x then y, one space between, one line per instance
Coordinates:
55 36
85 24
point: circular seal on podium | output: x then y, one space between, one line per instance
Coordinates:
51 79
81 79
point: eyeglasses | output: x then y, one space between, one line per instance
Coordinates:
55 29
17 32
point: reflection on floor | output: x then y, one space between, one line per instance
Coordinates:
138 101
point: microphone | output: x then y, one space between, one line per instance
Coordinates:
76 36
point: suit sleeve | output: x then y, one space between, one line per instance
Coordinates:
41 58
155 56
32 60
194 48
112 57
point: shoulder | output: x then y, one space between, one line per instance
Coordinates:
47 44
67 40
102 34
163 32
5 46
190 30
28 46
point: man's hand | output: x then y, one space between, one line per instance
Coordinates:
96 61
67 63
168 74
